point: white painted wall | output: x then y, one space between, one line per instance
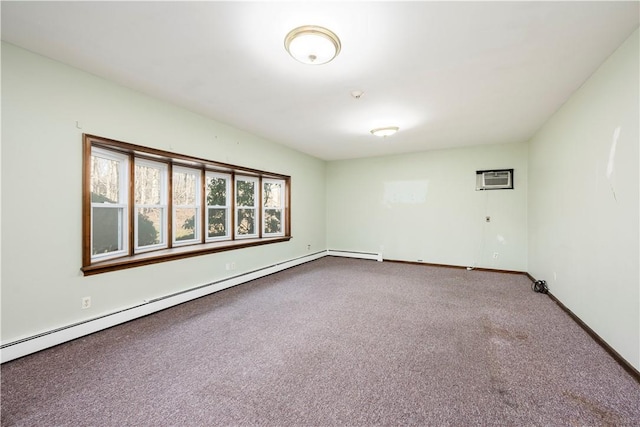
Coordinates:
42 284
583 202
424 206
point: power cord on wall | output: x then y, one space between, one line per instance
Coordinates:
540 286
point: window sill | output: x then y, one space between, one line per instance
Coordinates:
172 254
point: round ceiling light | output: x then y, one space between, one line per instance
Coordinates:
388 131
312 45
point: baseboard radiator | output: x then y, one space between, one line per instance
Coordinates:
32 344
355 254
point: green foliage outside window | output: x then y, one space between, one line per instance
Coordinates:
245 193
272 217
272 221
217 196
245 196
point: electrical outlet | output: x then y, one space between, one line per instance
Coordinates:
308 247
495 255
233 266
86 302
487 219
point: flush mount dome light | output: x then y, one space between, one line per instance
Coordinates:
312 45
388 131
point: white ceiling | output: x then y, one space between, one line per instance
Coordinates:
449 74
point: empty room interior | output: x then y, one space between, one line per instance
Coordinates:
415 161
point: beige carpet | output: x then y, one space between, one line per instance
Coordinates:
334 342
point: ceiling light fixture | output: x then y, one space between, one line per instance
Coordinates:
382 132
312 45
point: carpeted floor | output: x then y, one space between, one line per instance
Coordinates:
334 342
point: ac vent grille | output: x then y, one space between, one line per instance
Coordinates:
497 179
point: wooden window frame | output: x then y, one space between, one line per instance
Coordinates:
202 247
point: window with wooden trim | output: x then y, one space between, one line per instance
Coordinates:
108 196
246 207
186 196
218 190
143 206
273 219
151 194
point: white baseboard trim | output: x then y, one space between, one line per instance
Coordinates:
19 348
354 254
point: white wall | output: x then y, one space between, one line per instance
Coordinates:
42 284
583 202
424 206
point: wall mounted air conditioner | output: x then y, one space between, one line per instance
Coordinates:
496 179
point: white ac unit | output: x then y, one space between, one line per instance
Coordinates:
496 179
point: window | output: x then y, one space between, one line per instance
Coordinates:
143 206
273 207
186 205
246 207
109 204
151 205
218 205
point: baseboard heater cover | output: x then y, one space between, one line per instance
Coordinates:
22 347
355 254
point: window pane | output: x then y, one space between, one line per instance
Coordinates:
184 188
272 194
105 180
107 226
272 221
217 222
245 193
148 185
216 191
150 226
246 221
185 224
